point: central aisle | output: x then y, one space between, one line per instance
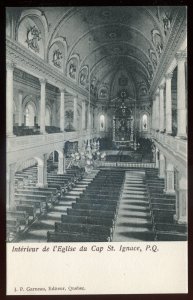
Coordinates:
134 218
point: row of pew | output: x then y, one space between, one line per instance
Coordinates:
163 209
32 201
92 217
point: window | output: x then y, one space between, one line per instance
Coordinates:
144 123
29 115
102 123
48 117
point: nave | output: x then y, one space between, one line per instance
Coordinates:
105 205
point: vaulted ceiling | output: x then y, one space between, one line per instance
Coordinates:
114 41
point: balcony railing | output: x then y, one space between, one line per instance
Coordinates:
177 145
20 143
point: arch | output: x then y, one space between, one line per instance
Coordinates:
57 54
72 67
32 31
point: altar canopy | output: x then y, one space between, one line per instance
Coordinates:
123 125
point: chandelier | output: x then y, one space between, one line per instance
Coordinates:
89 157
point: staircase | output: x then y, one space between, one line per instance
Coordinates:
134 221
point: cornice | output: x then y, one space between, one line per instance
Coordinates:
175 38
29 61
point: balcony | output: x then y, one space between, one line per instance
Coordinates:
174 144
22 143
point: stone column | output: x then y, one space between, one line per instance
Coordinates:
169 182
62 109
20 108
181 95
168 78
161 108
75 113
11 168
157 158
161 166
42 172
42 105
157 110
83 114
9 98
61 164
181 201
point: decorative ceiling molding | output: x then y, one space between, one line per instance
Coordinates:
114 43
91 32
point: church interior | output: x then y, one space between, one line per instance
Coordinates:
96 124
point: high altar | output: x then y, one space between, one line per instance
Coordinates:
123 126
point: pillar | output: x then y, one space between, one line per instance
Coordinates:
181 201
169 179
157 158
62 109
181 95
161 166
161 108
42 172
153 116
20 108
61 164
83 114
11 168
42 104
168 78
75 113
157 110
9 98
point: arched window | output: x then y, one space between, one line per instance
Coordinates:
48 117
29 115
144 122
102 123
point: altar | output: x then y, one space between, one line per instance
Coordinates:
123 127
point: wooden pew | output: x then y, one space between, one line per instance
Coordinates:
92 206
90 213
88 220
83 229
22 217
66 237
29 209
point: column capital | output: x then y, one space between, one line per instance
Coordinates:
181 56
169 76
62 90
42 80
161 87
10 65
20 92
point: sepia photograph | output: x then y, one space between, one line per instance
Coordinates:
96 126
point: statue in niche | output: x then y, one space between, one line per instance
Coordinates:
72 70
166 22
153 58
33 37
143 91
57 57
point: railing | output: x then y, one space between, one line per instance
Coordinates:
177 145
126 164
19 143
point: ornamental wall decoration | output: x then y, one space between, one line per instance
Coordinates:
57 58
33 38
